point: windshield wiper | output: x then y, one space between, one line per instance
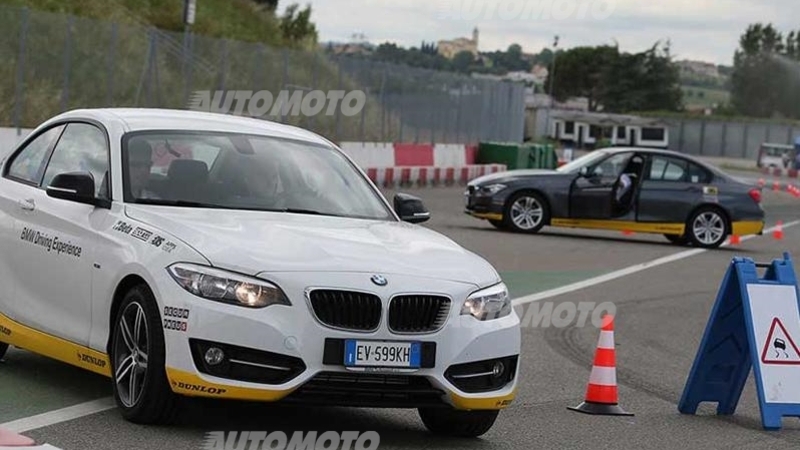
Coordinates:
192 204
306 211
185 203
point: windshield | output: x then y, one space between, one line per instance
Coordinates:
584 161
245 172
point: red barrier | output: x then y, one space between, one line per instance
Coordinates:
413 154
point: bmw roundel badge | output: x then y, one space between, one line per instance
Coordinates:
380 280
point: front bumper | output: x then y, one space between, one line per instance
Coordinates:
284 353
482 205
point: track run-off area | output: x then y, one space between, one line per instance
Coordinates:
662 296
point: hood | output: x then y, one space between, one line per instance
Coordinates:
251 242
513 174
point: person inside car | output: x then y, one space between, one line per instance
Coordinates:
140 162
627 184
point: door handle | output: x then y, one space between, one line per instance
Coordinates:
27 205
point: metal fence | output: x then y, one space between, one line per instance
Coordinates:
728 139
54 62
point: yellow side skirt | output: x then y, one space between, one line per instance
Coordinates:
21 336
741 228
620 225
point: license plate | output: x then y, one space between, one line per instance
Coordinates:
382 354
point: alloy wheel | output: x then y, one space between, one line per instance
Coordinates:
526 213
708 228
130 353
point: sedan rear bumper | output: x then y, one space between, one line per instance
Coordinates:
747 227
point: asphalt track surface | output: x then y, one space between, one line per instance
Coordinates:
661 312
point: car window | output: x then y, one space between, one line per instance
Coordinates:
613 166
29 163
698 174
82 148
247 172
664 168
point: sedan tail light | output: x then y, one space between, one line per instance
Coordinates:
755 194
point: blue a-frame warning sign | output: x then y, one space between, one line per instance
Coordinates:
755 323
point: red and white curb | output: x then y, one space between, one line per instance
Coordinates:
429 176
401 154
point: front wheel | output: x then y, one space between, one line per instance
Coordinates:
452 422
526 212
707 228
3 349
140 385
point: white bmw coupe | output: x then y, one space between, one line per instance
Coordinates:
195 254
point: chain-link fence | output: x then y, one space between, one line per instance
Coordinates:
51 63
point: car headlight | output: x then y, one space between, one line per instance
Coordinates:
227 287
492 188
487 304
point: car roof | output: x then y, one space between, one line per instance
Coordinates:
667 152
143 119
653 151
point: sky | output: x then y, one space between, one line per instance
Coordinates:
704 30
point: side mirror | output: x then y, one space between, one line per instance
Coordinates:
410 208
76 187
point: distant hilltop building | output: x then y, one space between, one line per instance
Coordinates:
698 68
450 49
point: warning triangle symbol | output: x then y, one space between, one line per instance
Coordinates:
780 347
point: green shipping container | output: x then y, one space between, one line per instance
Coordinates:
516 156
542 157
512 155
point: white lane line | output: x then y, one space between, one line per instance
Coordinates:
59 415
104 404
627 271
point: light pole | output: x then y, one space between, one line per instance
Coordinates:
552 80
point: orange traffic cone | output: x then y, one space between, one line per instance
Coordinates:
735 240
778 233
601 392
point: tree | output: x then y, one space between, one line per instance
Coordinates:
463 61
618 82
580 73
765 81
268 4
296 26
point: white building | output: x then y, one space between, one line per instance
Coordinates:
585 129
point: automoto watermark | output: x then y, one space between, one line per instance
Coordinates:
264 103
530 10
564 314
299 440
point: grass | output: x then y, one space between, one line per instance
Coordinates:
239 20
108 64
692 98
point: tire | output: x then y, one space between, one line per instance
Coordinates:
499 224
677 239
526 212
452 422
707 227
3 349
153 402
